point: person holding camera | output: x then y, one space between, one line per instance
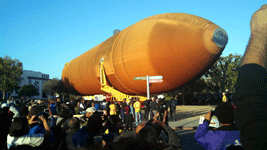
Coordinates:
146 136
40 127
19 133
222 137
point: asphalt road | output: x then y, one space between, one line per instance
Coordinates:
188 116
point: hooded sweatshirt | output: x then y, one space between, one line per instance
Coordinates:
218 139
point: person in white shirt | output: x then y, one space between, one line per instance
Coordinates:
82 106
19 133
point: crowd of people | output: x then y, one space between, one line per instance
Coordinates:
52 124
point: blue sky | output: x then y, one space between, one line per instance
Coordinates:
45 34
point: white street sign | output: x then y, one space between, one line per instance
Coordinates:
155 77
150 77
155 80
139 78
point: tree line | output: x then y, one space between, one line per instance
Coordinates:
10 74
221 77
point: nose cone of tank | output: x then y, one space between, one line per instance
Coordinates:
220 37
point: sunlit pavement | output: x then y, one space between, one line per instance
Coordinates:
188 116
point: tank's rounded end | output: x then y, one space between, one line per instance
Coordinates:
220 37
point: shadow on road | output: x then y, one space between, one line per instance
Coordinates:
188 140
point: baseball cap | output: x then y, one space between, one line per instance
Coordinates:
161 96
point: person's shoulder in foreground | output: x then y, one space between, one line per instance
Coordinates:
251 90
81 138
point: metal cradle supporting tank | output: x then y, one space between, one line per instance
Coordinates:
177 46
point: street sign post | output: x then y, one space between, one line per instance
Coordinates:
150 79
147 87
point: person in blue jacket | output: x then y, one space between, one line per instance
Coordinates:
52 107
225 136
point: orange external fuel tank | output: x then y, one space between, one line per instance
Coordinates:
177 46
